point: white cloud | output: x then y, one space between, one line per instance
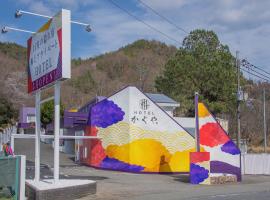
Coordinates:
113 29
243 24
40 7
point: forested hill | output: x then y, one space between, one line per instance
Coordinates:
136 64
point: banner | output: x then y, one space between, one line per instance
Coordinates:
48 53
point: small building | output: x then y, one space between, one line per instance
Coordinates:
137 134
27 120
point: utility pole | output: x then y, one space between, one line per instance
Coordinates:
264 123
238 101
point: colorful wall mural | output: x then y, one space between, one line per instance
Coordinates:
224 154
200 168
137 136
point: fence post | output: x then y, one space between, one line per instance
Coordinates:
22 178
12 142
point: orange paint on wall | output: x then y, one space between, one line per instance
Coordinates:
203 112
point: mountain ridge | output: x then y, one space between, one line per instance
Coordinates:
135 64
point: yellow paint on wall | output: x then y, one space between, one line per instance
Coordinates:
202 110
124 133
151 155
45 26
118 152
180 162
147 153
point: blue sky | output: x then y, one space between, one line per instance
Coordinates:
243 24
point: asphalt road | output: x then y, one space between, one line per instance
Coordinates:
112 185
265 195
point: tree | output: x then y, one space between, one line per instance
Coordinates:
7 112
204 65
47 112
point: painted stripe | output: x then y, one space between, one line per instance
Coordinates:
217 154
221 167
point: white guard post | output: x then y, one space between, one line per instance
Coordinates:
22 178
37 138
56 130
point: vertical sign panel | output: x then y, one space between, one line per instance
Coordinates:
48 52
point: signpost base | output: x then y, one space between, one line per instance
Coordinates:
64 189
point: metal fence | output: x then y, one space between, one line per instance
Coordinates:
255 164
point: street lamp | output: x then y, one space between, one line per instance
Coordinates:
4 30
19 13
88 28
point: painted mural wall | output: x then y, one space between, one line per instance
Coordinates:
224 154
200 168
137 136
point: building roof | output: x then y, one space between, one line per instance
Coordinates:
161 98
188 123
85 108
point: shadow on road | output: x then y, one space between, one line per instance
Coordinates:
94 178
183 178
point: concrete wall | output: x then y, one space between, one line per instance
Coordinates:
255 164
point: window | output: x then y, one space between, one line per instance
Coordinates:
31 118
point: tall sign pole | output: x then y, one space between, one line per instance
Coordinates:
37 138
56 130
66 53
48 54
197 128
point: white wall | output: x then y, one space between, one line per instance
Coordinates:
255 164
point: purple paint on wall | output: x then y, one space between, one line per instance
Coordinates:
198 174
230 148
105 113
75 118
24 112
114 164
221 167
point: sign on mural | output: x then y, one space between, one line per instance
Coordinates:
48 52
144 114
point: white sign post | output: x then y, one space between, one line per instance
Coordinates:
56 130
48 55
37 139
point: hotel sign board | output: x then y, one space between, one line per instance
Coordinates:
49 54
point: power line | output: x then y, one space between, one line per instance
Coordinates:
256 71
140 20
162 16
255 75
246 63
